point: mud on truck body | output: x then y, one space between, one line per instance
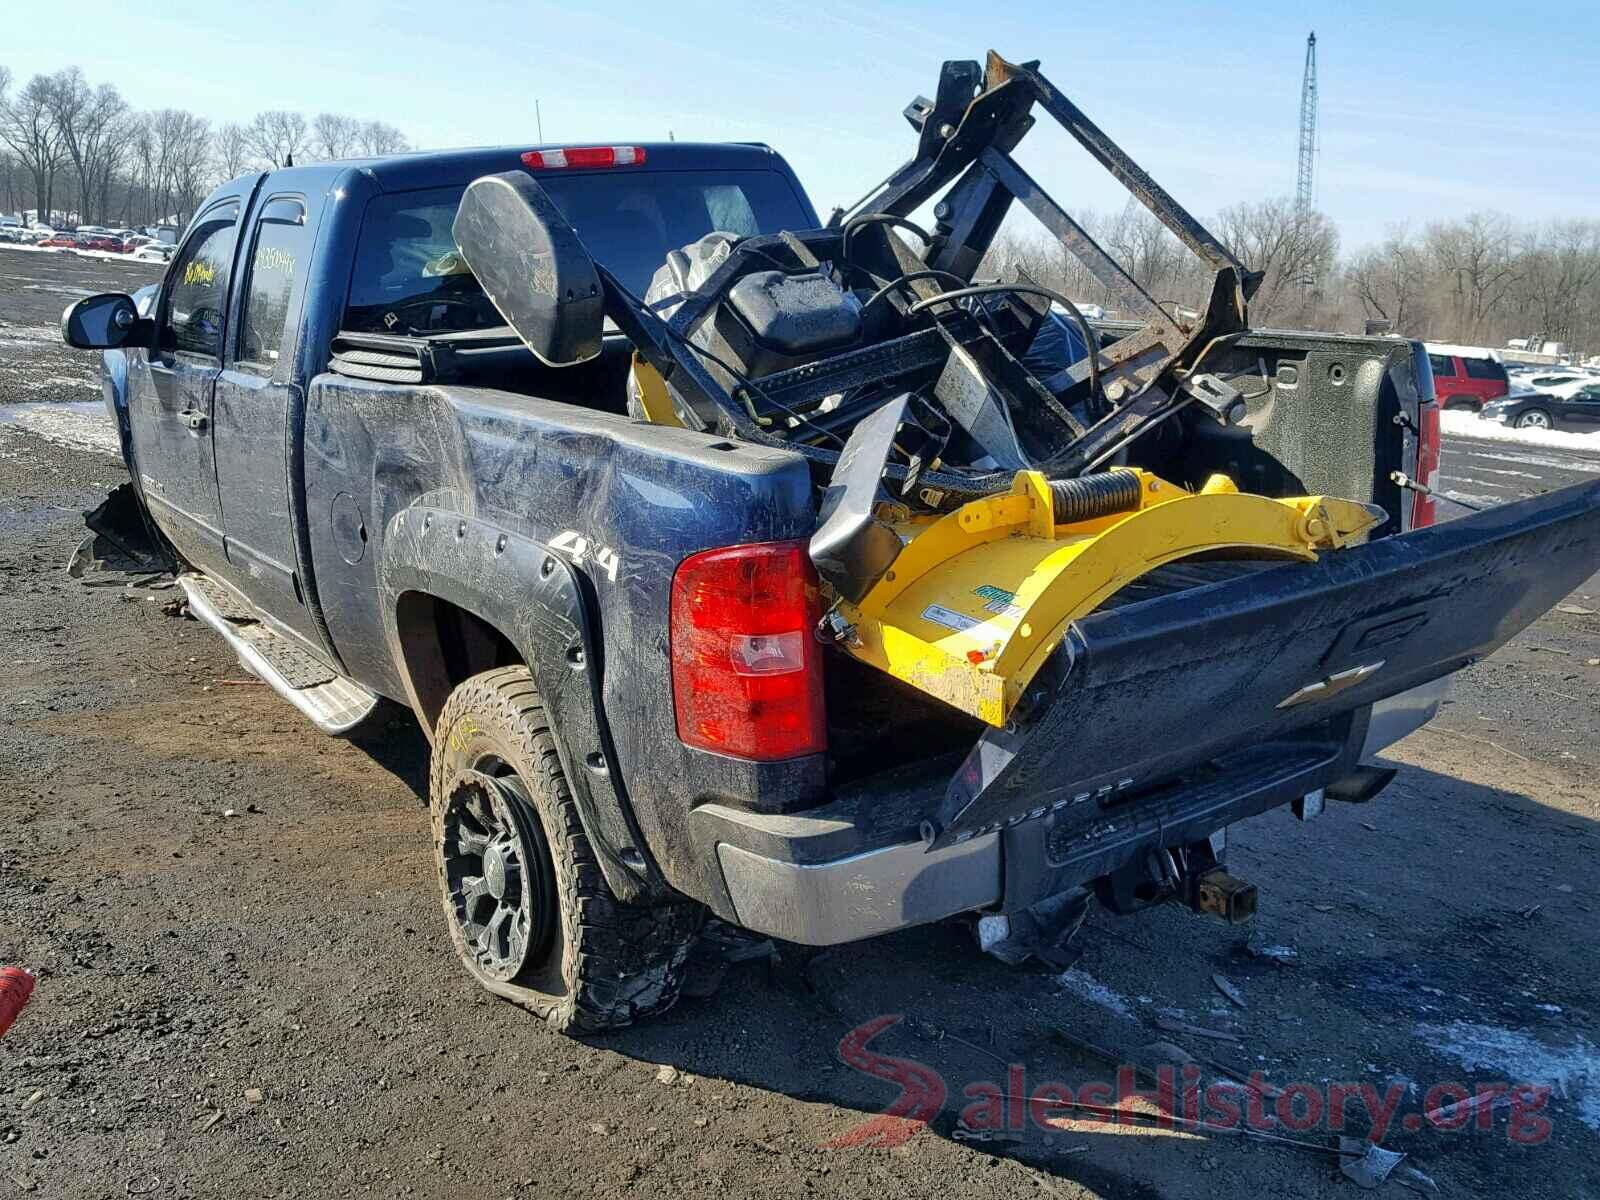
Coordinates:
735 562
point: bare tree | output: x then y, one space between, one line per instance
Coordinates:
337 136
1297 252
27 125
1150 253
1558 280
187 153
277 136
1475 260
1390 282
91 122
232 149
377 138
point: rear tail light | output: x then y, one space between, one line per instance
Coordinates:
746 668
1424 509
577 157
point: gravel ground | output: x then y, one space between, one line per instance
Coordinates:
266 1004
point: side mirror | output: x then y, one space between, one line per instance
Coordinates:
103 322
532 267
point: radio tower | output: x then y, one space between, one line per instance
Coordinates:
1308 130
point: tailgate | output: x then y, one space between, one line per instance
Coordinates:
1143 692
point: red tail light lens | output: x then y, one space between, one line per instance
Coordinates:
570 158
1424 509
746 669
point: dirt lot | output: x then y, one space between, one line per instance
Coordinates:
266 1003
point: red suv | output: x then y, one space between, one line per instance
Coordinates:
1466 378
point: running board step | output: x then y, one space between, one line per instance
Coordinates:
331 702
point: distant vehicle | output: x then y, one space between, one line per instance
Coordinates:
1576 411
1465 377
137 240
60 241
154 252
1543 381
101 241
10 233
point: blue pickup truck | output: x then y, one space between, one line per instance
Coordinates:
619 467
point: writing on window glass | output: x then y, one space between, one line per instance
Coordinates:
274 258
200 271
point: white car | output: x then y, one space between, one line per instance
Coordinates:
1526 383
1568 388
154 252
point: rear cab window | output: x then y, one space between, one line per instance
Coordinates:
409 279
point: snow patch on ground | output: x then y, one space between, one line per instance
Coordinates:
1087 987
1469 425
59 381
81 426
22 335
1571 1071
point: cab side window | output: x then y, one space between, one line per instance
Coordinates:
277 261
1443 365
197 295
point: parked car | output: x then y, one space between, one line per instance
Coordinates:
1466 378
1576 410
645 612
153 251
1543 381
60 241
104 242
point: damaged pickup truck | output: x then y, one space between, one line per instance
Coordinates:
735 561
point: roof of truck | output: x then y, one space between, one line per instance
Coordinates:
440 168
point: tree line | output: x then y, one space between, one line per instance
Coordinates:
1480 280
81 154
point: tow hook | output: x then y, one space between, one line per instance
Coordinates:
1222 895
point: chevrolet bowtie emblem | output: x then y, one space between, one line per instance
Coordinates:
1331 686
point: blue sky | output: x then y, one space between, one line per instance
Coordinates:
1429 109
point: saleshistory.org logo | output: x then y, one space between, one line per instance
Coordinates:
1179 1100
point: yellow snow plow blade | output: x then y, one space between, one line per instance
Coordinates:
977 600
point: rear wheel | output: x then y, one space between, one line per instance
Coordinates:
529 912
1534 418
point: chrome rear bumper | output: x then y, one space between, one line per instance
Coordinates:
826 903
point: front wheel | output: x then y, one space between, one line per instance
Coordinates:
529 912
1533 419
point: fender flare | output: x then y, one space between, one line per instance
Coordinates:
544 606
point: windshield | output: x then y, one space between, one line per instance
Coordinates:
408 277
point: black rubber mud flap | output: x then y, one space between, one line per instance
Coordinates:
1143 692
